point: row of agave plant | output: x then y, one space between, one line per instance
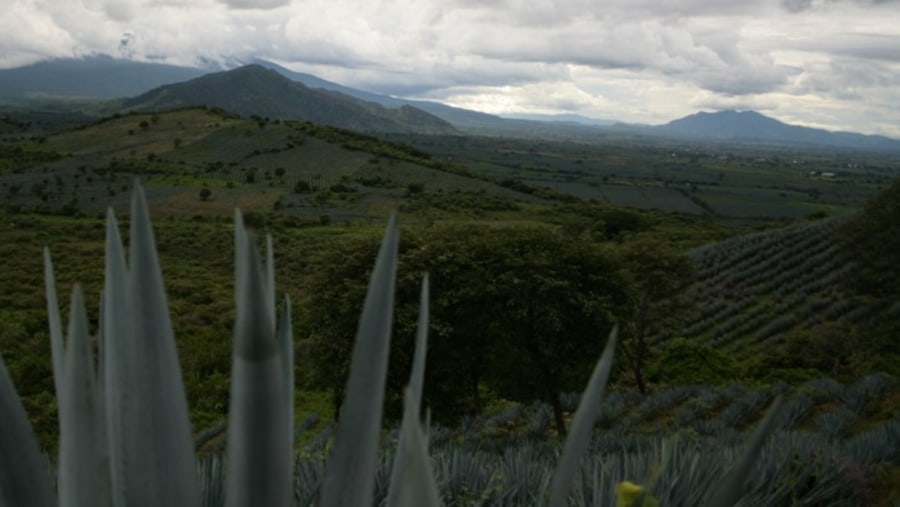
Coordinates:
125 436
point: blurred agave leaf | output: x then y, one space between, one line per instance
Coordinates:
151 443
23 471
412 481
731 486
115 347
406 486
285 338
350 471
83 465
259 432
56 339
417 373
582 425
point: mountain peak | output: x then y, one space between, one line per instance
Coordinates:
752 126
256 90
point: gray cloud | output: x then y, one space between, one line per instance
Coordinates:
255 4
637 60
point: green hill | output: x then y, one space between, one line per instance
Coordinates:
253 90
260 165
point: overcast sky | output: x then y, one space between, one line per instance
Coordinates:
826 63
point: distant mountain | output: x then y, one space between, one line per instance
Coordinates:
751 126
572 119
94 77
460 118
255 90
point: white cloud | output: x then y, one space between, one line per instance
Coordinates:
637 60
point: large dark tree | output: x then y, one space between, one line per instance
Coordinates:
657 276
518 311
871 239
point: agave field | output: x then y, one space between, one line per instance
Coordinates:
758 288
125 439
676 440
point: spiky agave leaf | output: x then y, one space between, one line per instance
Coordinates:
259 433
116 356
83 464
23 471
151 443
56 338
417 373
350 471
582 425
284 335
399 487
412 481
731 486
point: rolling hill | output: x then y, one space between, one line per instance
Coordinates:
253 90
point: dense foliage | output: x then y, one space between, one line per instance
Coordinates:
515 310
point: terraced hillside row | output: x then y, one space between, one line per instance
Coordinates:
758 289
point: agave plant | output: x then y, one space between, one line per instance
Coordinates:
125 436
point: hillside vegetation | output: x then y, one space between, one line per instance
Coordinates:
518 304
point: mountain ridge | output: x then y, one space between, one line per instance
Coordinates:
253 90
749 126
105 77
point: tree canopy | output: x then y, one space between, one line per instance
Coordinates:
520 312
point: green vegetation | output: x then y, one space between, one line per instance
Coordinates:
526 274
119 446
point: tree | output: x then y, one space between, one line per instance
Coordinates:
656 275
872 240
521 312
205 193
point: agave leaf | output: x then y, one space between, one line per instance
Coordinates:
259 434
412 479
270 279
417 374
398 488
23 471
350 471
285 338
116 357
582 425
56 338
731 486
155 464
83 464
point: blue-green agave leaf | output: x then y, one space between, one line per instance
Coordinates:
155 464
270 279
417 373
285 338
350 471
412 481
83 463
582 425
731 486
23 470
398 488
56 337
116 357
259 433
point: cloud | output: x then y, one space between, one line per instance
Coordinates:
255 4
640 60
